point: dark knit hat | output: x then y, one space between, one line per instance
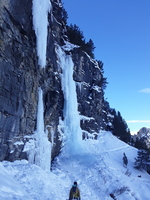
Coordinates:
75 183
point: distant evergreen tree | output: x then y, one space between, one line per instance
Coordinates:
89 48
125 160
103 79
142 161
64 15
76 36
140 144
120 128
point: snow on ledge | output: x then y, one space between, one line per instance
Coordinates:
69 46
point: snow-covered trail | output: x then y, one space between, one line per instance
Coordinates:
98 170
83 169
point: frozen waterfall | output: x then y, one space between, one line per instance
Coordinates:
73 132
42 155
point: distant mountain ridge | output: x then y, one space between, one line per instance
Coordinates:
141 140
143 132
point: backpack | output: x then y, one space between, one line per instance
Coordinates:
75 192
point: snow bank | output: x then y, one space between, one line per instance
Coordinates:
99 172
22 181
9 188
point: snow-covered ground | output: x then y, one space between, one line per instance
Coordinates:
95 164
98 170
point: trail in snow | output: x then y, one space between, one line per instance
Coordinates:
100 173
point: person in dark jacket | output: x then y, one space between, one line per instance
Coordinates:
74 192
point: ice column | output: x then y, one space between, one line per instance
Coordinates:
72 120
42 145
40 11
41 155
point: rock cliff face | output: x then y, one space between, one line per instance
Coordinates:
143 136
21 76
143 132
90 94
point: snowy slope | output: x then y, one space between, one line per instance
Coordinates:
98 171
95 165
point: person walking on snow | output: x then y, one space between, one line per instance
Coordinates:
74 192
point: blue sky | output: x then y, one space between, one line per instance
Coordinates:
120 30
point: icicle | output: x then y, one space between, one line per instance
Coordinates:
40 11
72 119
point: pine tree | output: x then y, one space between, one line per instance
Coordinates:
125 160
142 161
64 15
103 79
139 144
89 48
120 128
75 35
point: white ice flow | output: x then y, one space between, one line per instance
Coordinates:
73 132
40 11
43 146
39 147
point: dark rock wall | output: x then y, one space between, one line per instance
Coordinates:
88 76
19 79
21 76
